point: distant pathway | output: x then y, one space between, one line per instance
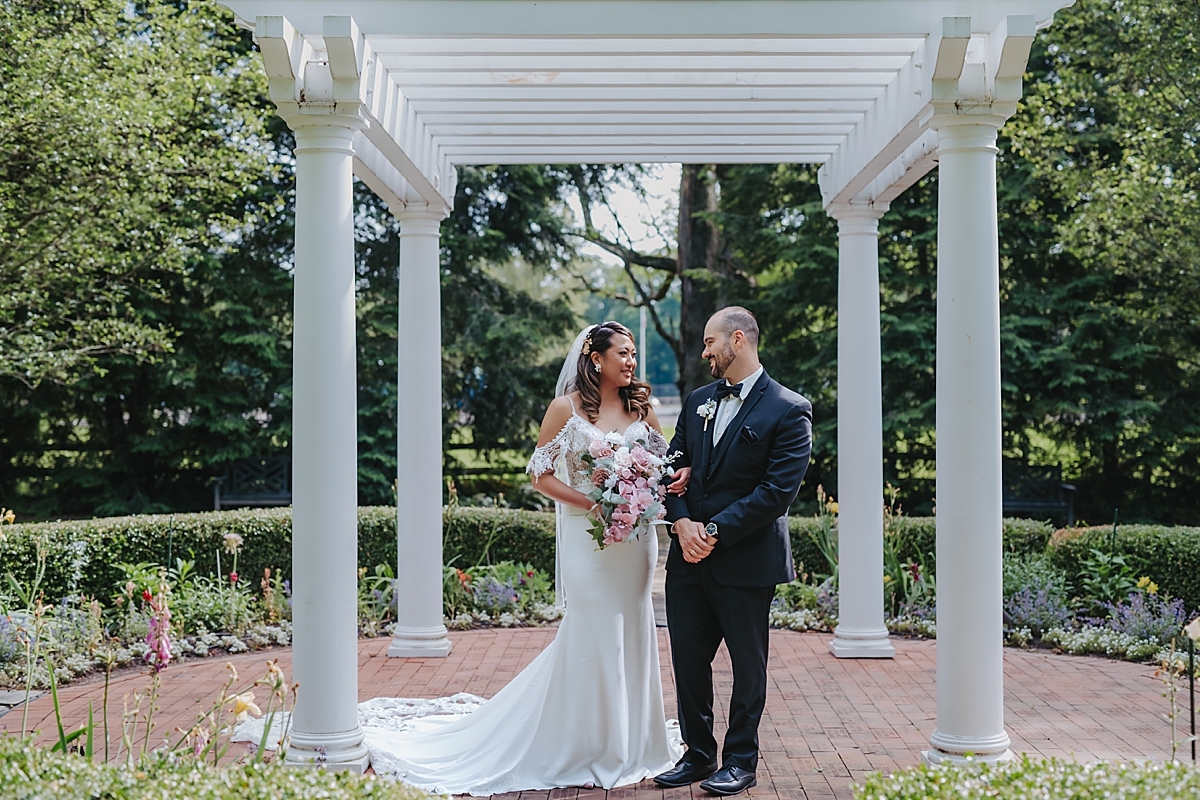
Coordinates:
828 721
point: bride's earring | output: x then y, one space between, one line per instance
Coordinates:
597 368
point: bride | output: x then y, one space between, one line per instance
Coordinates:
589 709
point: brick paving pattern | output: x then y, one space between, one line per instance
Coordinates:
828 721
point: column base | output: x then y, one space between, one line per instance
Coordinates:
861 643
340 752
961 750
420 643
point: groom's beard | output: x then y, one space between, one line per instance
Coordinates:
719 361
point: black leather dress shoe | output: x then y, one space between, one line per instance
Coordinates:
729 780
684 774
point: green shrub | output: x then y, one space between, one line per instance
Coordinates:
1169 556
82 556
917 536
36 774
1053 779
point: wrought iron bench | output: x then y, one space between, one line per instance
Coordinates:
255 482
1038 492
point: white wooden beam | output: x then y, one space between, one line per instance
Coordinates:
430 108
551 76
604 127
909 167
631 93
638 46
381 176
676 19
351 60
645 157
533 60
885 130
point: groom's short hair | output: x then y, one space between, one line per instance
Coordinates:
736 318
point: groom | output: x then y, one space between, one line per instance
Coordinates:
746 440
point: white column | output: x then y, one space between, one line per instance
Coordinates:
861 632
324 729
970 674
420 632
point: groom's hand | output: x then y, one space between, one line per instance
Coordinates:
692 540
679 485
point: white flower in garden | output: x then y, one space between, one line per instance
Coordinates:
233 542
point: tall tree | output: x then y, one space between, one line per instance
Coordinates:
127 129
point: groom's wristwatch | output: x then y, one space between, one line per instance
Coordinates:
710 530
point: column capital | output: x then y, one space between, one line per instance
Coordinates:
857 219
873 209
311 86
420 220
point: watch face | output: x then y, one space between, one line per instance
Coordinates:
711 529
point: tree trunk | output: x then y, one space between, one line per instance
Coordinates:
700 268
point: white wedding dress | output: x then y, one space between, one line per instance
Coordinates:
588 709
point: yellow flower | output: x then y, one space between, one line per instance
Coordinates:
1143 582
887 578
6 515
243 705
832 506
1152 588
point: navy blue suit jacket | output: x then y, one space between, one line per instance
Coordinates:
745 483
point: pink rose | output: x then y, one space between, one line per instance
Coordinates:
600 449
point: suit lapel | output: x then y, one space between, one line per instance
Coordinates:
735 425
706 436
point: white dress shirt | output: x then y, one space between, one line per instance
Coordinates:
730 405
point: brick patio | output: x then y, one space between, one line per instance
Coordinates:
828 722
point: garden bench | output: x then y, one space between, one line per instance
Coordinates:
263 481
1038 492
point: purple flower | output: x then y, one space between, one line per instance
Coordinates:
1039 607
1147 616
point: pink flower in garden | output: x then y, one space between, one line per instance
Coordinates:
159 635
233 577
600 449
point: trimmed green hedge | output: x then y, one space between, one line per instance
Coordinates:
31 773
1168 555
918 535
94 547
1052 779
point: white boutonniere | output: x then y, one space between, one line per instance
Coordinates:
708 411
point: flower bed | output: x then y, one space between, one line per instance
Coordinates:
1052 779
35 774
81 555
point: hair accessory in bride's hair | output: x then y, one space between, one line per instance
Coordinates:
587 345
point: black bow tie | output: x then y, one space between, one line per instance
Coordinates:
725 390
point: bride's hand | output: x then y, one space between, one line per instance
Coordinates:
679 485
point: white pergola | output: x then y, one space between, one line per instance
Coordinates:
398 92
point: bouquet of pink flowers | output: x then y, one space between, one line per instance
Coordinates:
627 486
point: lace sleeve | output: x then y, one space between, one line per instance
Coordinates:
547 457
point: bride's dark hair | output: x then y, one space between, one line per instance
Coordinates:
635 396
